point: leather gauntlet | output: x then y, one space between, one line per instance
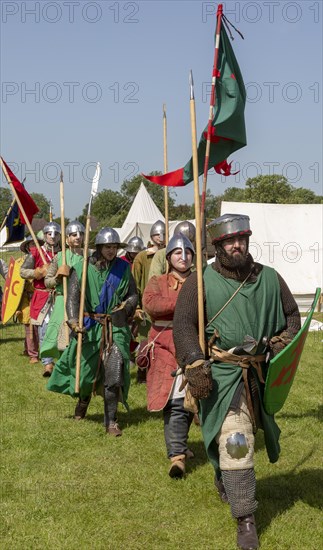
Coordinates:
199 378
279 342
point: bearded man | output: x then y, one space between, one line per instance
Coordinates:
249 310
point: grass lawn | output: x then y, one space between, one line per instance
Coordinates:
66 484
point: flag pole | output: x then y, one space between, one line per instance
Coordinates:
61 197
165 171
84 277
7 214
9 209
211 110
31 231
197 218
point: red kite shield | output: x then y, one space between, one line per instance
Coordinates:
283 367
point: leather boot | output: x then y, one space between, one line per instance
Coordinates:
247 538
81 408
177 469
48 369
114 429
221 489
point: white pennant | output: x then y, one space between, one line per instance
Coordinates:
95 183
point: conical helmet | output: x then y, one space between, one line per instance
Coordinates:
108 235
52 228
75 227
187 229
135 244
179 241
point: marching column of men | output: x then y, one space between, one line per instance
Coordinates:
236 290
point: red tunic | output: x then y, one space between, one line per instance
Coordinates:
41 293
159 300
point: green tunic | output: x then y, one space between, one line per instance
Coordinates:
50 346
63 378
255 311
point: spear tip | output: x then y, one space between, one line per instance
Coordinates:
61 175
191 85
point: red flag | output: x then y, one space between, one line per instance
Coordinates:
29 206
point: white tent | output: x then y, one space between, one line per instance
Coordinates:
287 237
141 216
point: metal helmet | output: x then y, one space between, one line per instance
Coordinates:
108 235
187 229
75 227
29 240
158 228
179 241
229 225
135 244
52 228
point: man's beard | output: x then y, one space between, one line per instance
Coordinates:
237 261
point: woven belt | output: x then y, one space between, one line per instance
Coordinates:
106 338
245 362
166 324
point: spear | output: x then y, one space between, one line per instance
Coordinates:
165 171
61 197
94 191
197 218
51 209
211 111
21 208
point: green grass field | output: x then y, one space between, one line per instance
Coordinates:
66 484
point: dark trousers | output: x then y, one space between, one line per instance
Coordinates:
177 423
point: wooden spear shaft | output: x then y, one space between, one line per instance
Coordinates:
21 208
82 302
165 171
61 197
197 219
8 213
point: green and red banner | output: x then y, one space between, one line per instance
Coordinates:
228 126
283 367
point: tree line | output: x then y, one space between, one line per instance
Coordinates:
111 207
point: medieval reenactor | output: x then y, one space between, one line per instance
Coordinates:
140 270
159 264
164 391
134 246
110 301
249 309
41 304
22 315
56 337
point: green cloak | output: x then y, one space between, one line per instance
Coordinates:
62 379
255 311
49 347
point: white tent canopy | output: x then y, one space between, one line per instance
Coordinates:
287 237
141 216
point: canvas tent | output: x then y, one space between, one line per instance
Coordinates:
287 237
141 216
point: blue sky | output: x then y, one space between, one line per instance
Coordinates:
86 81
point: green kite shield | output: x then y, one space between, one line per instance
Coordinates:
282 369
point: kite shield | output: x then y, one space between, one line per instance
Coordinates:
282 368
13 289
